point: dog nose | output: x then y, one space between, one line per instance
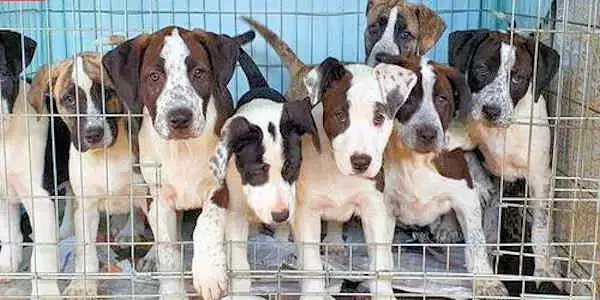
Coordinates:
93 135
427 134
281 216
491 112
360 162
180 118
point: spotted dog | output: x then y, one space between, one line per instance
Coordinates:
422 180
396 27
178 79
264 139
23 156
507 83
101 154
354 113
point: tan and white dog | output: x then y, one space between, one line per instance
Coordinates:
24 137
102 156
354 113
178 79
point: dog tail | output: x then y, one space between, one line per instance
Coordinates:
245 37
253 74
287 55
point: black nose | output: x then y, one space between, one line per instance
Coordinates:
360 162
93 135
491 112
180 118
279 217
427 134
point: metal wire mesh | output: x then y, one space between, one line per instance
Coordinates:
316 29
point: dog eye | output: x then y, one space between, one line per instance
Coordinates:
405 35
374 29
378 119
341 116
516 79
154 76
383 20
68 99
199 73
441 100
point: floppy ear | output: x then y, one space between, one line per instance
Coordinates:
460 89
462 46
223 52
547 65
431 27
13 47
330 74
372 3
40 88
395 83
297 116
122 64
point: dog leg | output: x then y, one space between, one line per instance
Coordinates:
11 237
540 232
467 206
307 234
163 220
44 258
378 227
237 234
87 218
209 264
66 225
334 237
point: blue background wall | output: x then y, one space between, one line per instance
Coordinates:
314 28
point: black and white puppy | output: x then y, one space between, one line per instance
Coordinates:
24 135
507 82
263 139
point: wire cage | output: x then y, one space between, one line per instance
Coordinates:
315 30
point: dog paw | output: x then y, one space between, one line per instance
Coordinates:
81 289
490 288
147 263
209 281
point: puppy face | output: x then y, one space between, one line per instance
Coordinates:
398 28
179 76
359 104
83 97
500 73
265 138
431 106
12 61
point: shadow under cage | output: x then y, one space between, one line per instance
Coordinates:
314 30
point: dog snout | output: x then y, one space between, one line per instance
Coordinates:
93 135
360 162
491 112
180 118
427 134
282 216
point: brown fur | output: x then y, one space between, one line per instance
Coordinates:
453 165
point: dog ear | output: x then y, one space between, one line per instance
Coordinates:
122 64
395 83
223 52
372 3
297 116
40 88
17 53
330 74
460 89
547 65
463 45
431 27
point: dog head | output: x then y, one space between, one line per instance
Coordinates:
16 53
359 104
500 72
84 96
264 136
433 103
399 28
179 76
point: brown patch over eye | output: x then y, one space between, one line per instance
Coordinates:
379 115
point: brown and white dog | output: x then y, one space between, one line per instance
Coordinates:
101 154
506 83
354 113
178 78
264 139
422 180
24 136
396 27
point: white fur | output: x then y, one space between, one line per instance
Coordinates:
22 156
178 91
102 180
386 43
